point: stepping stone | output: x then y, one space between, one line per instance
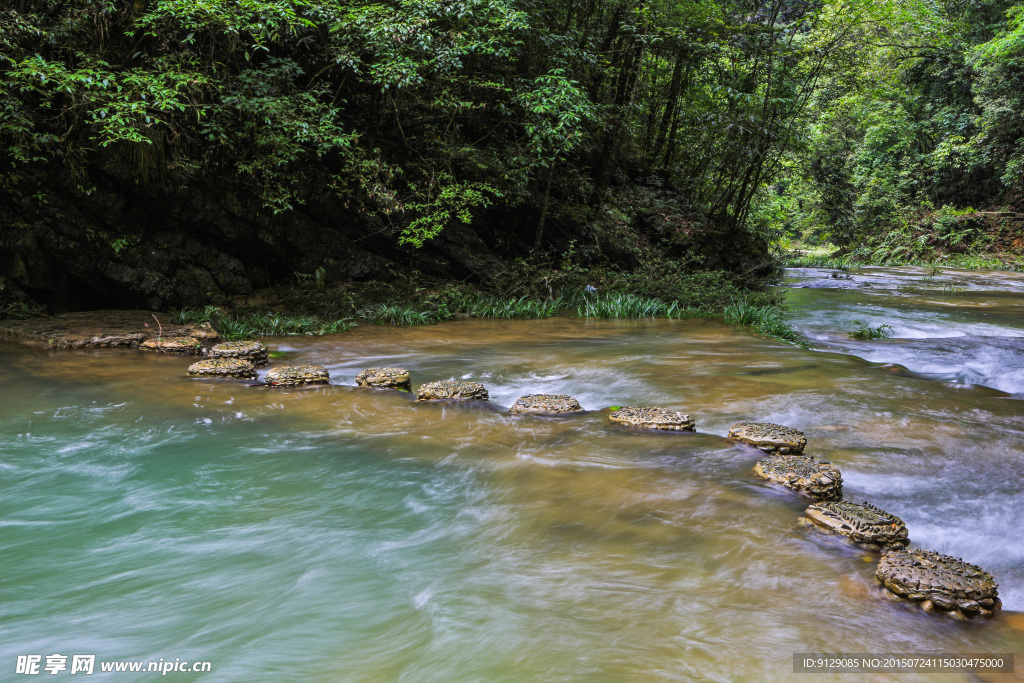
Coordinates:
769 437
546 404
865 525
189 346
818 479
297 375
385 378
223 367
653 418
452 390
252 351
939 583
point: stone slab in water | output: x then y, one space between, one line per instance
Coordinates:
100 329
223 367
385 378
546 404
188 346
939 582
818 479
252 351
452 390
769 437
653 418
862 523
297 375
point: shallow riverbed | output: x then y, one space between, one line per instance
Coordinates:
342 534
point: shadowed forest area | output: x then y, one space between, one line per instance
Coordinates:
179 153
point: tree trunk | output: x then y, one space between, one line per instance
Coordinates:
544 207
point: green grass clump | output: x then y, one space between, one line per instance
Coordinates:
195 316
766 319
864 332
628 306
252 325
398 314
523 307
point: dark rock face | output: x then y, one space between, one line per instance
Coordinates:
818 479
939 582
864 524
132 245
143 243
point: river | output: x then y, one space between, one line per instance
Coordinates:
340 534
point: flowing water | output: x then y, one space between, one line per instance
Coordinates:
339 534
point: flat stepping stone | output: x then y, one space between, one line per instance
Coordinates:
297 375
769 437
252 351
189 346
816 478
223 367
452 390
653 418
869 527
385 378
546 404
939 583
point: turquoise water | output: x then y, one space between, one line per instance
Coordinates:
339 534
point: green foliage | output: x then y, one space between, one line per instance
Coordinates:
253 325
523 307
121 243
397 314
416 116
766 319
921 111
19 310
195 316
824 262
316 279
866 333
447 202
628 306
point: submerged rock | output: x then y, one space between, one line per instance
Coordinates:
653 418
252 351
453 390
223 367
939 582
818 479
864 524
546 404
295 375
769 437
385 378
189 346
